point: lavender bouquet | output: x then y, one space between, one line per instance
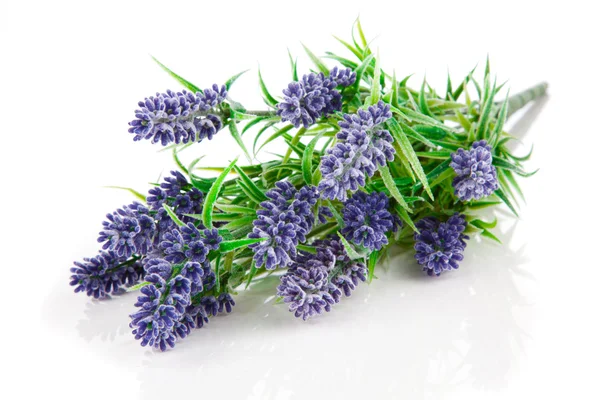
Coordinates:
370 163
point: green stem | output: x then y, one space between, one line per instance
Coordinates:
519 100
262 113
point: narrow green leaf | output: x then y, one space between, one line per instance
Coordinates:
336 214
255 121
416 135
308 249
490 235
240 222
442 177
218 273
485 225
502 196
234 208
409 153
500 122
376 85
361 34
423 100
137 287
178 161
394 100
353 49
249 183
449 87
353 254
413 116
130 190
391 186
173 216
523 158
188 85
439 155
213 193
307 159
406 218
373 258
317 61
251 274
360 70
294 65
248 192
238 138
482 124
270 100
230 245
275 135
234 78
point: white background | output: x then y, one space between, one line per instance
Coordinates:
516 321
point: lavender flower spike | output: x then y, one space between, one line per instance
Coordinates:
180 117
367 220
362 147
284 220
475 175
439 246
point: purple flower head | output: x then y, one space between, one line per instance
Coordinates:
211 305
324 214
212 239
367 220
283 220
314 282
158 266
156 198
129 230
179 117
439 245
226 302
155 328
362 147
342 77
194 272
173 185
98 276
306 291
312 98
180 285
475 175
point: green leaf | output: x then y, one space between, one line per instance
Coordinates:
394 99
484 225
376 85
250 184
307 159
240 222
270 100
294 65
490 235
409 153
336 214
173 216
416 135
503 164
251 274
230 245
373 258
524 158
439 155
360 70
353 49
482 124
275 135
137 287
213 193
234 78
255 121
391 186
130 190
236 135
308 249
502 196
500 122
188 85
443 176
353 254
361 34
177 161
317 61
406 218
413 116
423 100
234 208
218 273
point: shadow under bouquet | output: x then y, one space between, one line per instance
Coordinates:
369 163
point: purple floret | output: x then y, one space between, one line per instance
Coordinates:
363 147
475 175
367 220
439 245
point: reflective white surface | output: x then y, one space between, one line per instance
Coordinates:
517 321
